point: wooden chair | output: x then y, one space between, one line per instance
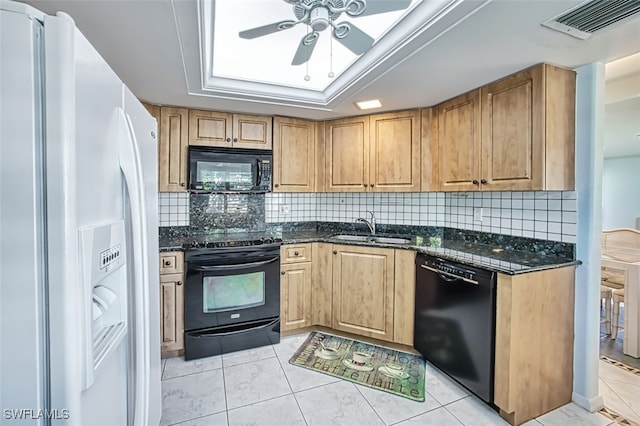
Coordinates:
621 244
606 295
618 299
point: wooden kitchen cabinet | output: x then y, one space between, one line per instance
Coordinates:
220 129
347 154
394 160
171 304
404 296
363 290
516 134
173 150
294 155
295 286
377 153
528 131
322 284
458 142
534 343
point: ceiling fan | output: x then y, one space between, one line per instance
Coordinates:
321 14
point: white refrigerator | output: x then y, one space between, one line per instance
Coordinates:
79 292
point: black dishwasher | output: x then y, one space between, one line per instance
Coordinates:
455 321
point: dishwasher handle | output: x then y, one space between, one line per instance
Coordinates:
448 276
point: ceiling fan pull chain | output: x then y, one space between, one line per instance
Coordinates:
331 74
307 77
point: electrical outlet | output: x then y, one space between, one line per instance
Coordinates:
284 209
477 214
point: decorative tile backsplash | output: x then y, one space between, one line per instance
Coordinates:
546 215
173 209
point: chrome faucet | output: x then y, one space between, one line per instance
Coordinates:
370 223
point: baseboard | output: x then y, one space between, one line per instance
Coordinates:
591 405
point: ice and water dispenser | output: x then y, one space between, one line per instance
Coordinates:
104 280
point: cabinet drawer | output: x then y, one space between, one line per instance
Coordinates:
171 262
293 253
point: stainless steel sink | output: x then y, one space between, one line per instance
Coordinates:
391 240
352 237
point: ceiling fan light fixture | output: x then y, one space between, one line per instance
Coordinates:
319 18
370 104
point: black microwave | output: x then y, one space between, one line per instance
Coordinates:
229 170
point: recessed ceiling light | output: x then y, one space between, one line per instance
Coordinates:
373 103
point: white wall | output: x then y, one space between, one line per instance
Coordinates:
620 192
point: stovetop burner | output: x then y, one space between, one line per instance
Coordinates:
195 245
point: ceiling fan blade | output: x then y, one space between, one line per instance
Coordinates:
266 29
305 48
374 7
355 40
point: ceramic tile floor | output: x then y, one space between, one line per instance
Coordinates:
260 387
620 390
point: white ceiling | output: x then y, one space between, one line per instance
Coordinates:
153 46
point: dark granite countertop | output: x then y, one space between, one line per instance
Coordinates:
497 254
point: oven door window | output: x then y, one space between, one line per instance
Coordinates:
225 176
231 292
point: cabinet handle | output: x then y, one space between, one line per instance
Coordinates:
283 273
483 181
235 139
276 185
179 283
475 181
295 253
335 252
228 139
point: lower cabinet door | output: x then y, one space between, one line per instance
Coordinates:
171 309
363 290
295 296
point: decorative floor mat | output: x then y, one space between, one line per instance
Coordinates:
385 369
616 417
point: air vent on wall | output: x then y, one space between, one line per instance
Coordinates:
591 16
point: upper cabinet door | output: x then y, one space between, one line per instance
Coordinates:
220 129
252 131
513 132
294 155
173 150
458 143
210 128
528 131
347 154
394 152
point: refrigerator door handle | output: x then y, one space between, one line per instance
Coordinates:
131 167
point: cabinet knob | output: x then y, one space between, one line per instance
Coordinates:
483 181
179 283
283 273
228 139
276 185
183 184
295 253
475 181
235 139
167 263
335 252
371 185
364 184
